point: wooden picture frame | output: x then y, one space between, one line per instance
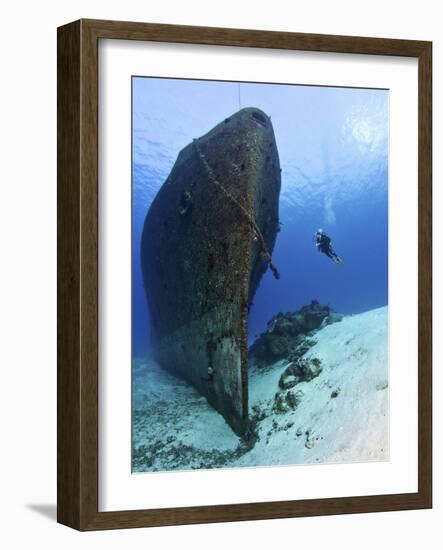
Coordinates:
78 274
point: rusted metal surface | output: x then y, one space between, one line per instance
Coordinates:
207 240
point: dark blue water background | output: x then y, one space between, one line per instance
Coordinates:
333 147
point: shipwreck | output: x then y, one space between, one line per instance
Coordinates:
207 240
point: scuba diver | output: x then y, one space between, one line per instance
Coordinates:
323 244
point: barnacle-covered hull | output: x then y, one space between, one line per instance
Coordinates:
206 243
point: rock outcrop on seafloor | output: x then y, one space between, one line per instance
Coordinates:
302 370
207 240
287 334
299 370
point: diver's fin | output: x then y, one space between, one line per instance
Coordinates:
338 260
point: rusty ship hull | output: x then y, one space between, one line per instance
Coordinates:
207 240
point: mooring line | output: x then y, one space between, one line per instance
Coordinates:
265 254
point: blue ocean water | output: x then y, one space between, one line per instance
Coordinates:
333 147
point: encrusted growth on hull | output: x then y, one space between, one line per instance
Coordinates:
207 240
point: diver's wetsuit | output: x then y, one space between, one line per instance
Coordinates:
323 243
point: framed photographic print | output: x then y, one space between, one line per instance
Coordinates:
244 274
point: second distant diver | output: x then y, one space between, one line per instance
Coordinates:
323 244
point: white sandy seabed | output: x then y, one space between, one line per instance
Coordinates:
342 416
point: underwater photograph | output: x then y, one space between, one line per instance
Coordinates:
259 274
